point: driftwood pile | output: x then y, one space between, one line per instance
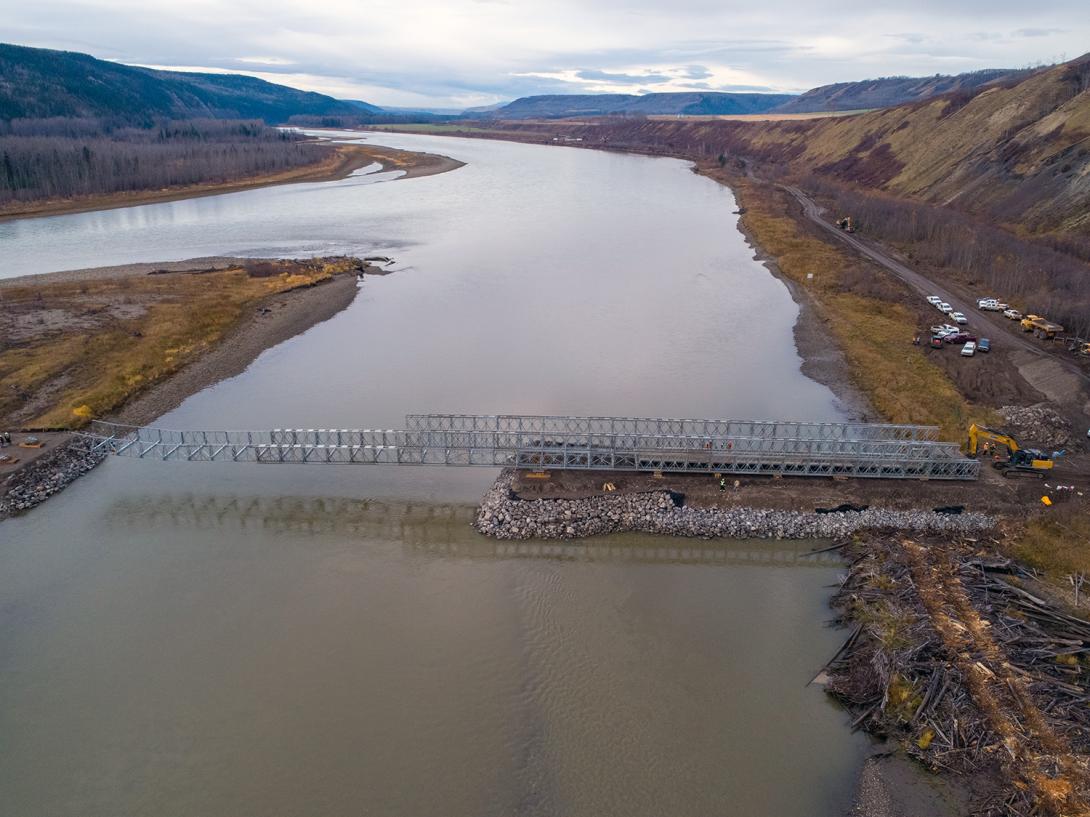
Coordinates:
969 671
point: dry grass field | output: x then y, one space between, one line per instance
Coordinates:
874 333
73 350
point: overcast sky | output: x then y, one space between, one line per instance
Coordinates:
477 52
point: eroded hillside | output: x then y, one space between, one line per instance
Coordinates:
1018 153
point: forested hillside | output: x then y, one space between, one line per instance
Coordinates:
886 92
689 104
38 83
70 158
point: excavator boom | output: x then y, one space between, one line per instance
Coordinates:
1019 460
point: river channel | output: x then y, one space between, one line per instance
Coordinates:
243 640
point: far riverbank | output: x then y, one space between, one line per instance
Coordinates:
346 160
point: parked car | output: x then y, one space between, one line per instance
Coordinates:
1012 314
982 301
959 318
934 300
993 306
959 337
945 308
936 341
968 350
983 345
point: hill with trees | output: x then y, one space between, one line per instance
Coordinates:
37 83
887 92
557 106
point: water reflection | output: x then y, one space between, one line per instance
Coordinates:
203 640
437 529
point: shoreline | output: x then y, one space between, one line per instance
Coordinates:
273 320
345 161
823 360
276 319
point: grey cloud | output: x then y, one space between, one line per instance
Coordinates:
1037 32
778 44
625 79
696 72
913 37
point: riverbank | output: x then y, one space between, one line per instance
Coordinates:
823 359
342 163
172 330
83 344
413 164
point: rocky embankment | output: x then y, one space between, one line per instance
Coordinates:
504 516
46 476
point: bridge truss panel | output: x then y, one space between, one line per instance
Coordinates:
547 443
562 424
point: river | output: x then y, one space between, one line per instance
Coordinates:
239 640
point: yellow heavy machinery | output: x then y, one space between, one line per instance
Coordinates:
1040 327
1020 461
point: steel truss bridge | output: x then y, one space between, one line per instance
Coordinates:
581 443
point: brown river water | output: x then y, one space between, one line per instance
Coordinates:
242 640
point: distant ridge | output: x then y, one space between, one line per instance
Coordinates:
887 92
557 106
39 83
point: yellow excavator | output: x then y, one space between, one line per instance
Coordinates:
1020 461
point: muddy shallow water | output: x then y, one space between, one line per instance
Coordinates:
246 640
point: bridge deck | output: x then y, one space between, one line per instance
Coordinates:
615 444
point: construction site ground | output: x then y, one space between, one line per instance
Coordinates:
992 493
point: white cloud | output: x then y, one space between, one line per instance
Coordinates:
476 52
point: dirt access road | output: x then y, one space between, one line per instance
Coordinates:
1057 377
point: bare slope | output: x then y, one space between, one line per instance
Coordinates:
1016 153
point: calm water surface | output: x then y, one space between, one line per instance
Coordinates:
244 640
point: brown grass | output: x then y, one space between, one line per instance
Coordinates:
1055 541
874 333
93 345
758 117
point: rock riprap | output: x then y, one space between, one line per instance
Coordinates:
1040 424
46 476
504 516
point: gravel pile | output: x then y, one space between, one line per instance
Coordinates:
503 516
46 476
1040 424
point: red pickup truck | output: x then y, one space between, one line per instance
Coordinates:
959 337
